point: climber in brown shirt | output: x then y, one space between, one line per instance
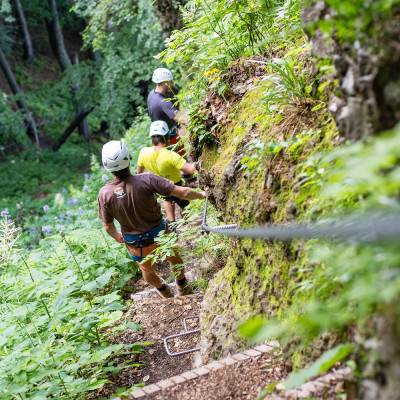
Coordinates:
131 200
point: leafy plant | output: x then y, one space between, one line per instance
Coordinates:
216 33
127 36
61 296
356 20
54 307
336 285
320 366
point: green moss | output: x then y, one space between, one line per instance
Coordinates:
261 277
244 117
210 157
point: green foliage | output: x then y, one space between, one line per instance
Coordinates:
352 20
137 136
207 246
127 37
211 248
27 178
6 34
56 303
60 300
11 126
366 174
217 33
340 284
37 10
239 27
55 101
290 83
124 38
320 366
68 199
255 151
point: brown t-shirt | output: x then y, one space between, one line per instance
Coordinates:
133 202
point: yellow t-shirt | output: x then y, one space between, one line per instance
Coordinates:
163 162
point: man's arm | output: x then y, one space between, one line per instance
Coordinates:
181 117
112 231
188 169
185 193
140 165
169 109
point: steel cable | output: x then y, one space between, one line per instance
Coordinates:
375 227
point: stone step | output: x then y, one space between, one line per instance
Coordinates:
159 389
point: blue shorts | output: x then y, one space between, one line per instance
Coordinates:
144 239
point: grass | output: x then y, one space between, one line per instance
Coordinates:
29 179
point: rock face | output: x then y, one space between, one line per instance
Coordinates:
368 75
251 186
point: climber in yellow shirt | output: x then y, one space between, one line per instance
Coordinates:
166 163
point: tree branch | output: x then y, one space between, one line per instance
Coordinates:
71 127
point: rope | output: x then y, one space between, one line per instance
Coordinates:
377 227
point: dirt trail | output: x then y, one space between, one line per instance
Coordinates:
239 381
160 318
241 376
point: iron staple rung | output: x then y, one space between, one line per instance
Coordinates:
178 353
185 324
186 333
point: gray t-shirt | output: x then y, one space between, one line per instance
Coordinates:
161 109
133 202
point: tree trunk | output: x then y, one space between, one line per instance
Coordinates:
83 126
71 127
57 43
28 46
57 38
31 126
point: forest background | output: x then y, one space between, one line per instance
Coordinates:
293 110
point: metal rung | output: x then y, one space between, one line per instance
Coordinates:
178 353
185 324
186 333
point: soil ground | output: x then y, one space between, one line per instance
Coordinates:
240 381
158 318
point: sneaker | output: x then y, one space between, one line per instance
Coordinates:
184 290
166 293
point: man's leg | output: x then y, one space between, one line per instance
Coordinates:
182 205
148 271
169 207
176 264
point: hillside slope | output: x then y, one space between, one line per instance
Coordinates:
284 131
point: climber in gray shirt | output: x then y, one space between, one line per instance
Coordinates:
160 108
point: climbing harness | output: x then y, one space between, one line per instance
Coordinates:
375 227
187 332
173 132
144 239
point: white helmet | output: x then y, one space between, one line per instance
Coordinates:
162 75
158 128
115 155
